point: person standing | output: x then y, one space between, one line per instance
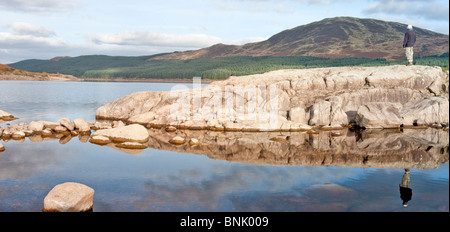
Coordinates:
408 44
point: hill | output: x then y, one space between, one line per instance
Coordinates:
331 38
10 73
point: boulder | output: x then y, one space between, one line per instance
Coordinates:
82 126
69 197
5 115
36 127
130 133
2 148
67 123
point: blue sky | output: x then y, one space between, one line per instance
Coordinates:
43 29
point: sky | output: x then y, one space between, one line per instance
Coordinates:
43 29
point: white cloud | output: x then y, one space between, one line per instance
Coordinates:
146 38
22 28
43 6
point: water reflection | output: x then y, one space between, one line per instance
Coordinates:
405 190
368 149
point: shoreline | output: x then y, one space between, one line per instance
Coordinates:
9 77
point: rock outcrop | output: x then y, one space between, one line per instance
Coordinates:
296 100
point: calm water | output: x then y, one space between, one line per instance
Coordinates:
158 180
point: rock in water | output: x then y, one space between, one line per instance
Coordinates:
5 115
36 127
69 197
130 133
82 126
67 123
2 148
177 140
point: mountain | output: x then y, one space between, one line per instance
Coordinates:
331 38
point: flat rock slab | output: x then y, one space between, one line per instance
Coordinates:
69 197
131 133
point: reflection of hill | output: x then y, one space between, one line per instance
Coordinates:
369 149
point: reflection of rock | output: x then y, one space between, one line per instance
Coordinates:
391 96
69 197
368 148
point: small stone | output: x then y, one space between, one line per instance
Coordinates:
47 132
2 148
100 139
194 142
18 135
177 140
36 126
171 129
69 197
82 126
67 123
61 129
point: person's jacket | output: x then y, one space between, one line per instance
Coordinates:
410 39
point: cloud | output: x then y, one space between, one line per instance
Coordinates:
21 28
429 9
43 6
146 38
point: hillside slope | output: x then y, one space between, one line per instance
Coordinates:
331 38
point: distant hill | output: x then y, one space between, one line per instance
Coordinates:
331 38
10 73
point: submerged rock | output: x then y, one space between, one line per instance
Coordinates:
69 197
2 148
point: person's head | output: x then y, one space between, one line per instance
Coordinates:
409 27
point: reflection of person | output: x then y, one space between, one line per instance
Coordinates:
408 43
405 190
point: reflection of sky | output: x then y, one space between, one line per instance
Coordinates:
158 180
